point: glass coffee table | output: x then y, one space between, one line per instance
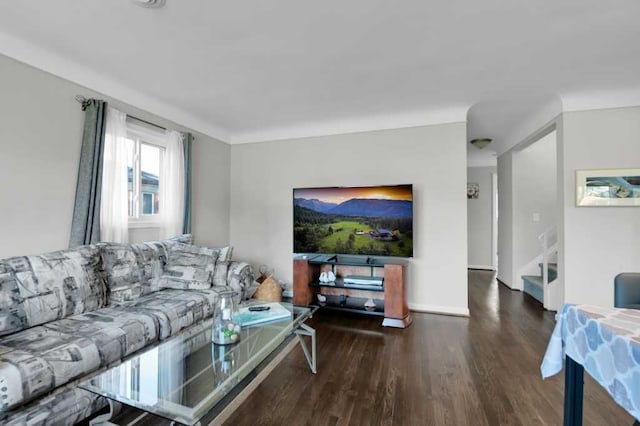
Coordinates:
188 379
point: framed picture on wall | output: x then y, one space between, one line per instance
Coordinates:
608 187
473 190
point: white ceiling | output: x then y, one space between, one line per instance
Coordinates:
255 70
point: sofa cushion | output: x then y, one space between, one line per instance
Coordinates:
176 309
189 267
62 409
37 289
131 270
38 360
116 334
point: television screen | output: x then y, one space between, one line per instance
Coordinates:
369 220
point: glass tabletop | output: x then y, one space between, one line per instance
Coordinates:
184 377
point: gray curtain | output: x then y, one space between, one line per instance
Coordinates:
186 221
85 228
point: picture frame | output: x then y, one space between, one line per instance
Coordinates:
608 188
473 190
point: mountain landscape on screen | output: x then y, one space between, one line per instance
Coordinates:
315 205
354 220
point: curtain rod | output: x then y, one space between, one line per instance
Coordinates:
146 122
82 100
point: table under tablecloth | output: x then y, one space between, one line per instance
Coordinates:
606 342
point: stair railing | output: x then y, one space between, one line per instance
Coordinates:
549 241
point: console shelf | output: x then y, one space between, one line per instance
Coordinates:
339 283
390 298
376 313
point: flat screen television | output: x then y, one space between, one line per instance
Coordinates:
363 220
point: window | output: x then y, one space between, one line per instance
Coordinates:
145 152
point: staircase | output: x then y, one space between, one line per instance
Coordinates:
534 284
545 288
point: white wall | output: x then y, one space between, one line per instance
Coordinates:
560 167
599 242
40 135
534 192
432 158
479 219
505 218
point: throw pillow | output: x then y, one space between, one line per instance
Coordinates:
239 275
225 252
189 267
220 274
183 238
132 270
41 288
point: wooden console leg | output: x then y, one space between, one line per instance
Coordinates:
302 294
396 310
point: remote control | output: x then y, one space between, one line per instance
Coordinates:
259 308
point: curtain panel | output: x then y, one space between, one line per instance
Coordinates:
187 139
114 215
172 187
85 225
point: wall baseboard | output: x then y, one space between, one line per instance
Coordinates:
483 267
436 309
507 285
503 281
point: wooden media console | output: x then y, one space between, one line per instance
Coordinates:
390 298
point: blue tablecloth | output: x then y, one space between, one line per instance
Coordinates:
606 342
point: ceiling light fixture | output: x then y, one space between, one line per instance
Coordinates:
481 142
151 4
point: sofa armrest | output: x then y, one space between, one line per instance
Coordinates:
240 277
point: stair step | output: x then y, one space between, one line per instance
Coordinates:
533 287
533 280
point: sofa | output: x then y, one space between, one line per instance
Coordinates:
68 315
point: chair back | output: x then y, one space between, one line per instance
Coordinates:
627 290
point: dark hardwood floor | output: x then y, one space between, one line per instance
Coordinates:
483 370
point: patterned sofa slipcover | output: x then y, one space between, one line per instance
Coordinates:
68 314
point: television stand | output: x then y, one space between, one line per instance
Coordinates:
389 299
